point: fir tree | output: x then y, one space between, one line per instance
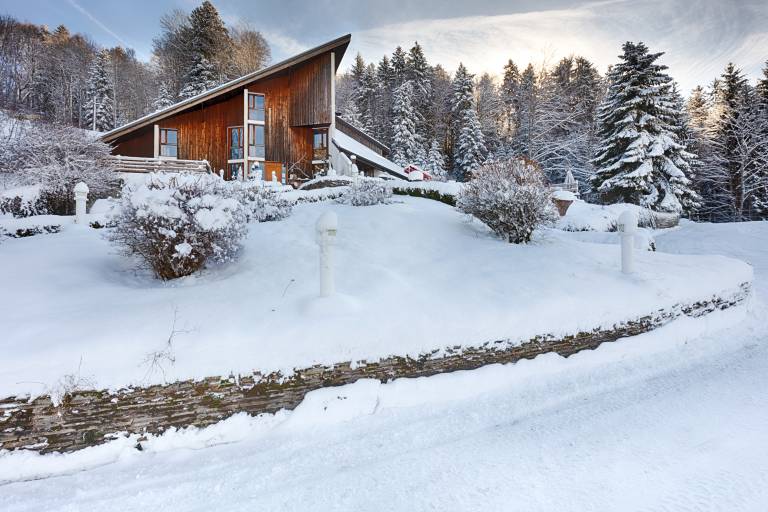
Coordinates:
510 87
398 67
435 163
200 78
98 108
164 98
406 143
469 145
641 159
385 82
419 73
209 38
351 115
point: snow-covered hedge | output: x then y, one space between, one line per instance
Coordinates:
56 158
262 201
366 192
444 192
22 201
177 223
510 197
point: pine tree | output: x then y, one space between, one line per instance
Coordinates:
364 93
469 149
164 97
351 115
398 67
489 111
640 159
435 163
200 78
406 143
210 39
762 86
385 81
98 108
510 87
419 73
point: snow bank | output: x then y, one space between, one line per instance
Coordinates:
262 312
583 216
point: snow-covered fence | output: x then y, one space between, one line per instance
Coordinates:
627 229
327 226
133 164
81 197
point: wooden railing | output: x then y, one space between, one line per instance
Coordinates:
145 165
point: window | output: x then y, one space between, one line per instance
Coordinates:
235 137
256 107
256 147
319 144
235 171
169 142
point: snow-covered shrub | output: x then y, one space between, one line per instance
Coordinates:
263 202
56 158
510 197
366 192
22 201
177 223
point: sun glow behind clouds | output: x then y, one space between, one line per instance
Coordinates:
699 38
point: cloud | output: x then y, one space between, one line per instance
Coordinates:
700 37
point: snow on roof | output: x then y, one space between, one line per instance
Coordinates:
347 143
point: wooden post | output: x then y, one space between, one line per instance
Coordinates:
157 141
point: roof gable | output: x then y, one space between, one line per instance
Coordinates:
338 46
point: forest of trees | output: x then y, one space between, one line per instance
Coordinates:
629 135
66 78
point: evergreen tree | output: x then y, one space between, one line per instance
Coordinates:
351 115
209 38
762 86
419 73
469 149
510 87
98 108
364 93
164 98
398 67
385 80
200 78
489 111
406 143
435 163
641 159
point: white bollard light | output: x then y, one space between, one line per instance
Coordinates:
274 177
627 229
81 197
327 226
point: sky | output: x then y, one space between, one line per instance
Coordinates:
699 36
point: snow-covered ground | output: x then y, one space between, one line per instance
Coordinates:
673 420
412 276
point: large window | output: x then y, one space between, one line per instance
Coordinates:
256 107
256 146
169 143
319 144
235 136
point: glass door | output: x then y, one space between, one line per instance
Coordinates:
235 154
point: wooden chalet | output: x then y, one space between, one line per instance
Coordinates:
278 122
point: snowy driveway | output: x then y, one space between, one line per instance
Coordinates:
675 420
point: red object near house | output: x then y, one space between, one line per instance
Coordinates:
425 176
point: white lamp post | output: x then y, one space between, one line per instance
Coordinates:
81 197
627 229
327 226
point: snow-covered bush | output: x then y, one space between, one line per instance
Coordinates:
510 197
366 192
22 201
177 223
56 158
262 201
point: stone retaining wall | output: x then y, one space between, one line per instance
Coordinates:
86 418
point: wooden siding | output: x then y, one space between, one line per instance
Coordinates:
139 143
311 92
301 93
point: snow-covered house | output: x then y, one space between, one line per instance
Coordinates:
279 121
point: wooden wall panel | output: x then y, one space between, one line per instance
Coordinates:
311 92
139 143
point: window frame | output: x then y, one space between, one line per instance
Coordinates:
263 110
163 135
325 137
230 160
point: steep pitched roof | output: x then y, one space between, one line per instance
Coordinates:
338 46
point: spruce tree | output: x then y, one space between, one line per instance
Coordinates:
510 87
384 90
200 78
164 98
98 108
469 150
209 38
435 163
398 67
419 73
406 143
640 158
